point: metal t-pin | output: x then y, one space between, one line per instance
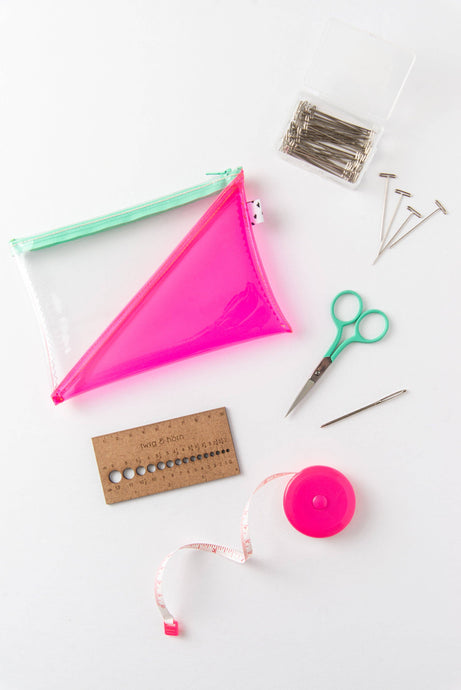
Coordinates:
388 177
401 194
440 207
413 212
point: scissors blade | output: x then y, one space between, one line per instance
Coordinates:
322 367
302 394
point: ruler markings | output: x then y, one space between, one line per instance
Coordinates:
200 442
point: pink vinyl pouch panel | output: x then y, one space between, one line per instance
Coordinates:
210 292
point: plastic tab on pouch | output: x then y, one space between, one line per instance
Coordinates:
256 212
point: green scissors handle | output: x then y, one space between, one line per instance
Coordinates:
337 346
358 318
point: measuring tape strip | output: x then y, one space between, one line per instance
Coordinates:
170 623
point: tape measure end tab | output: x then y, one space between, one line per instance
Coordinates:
171 628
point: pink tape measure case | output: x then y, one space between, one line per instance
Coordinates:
319 501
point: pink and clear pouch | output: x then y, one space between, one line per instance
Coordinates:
106 315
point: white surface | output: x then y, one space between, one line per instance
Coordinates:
105 104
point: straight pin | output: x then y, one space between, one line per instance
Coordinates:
333 145
360 409
413 212
440 207
387 176
401 194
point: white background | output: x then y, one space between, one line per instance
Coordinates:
107 104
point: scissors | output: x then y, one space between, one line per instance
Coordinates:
337 346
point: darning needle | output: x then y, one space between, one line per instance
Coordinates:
378 402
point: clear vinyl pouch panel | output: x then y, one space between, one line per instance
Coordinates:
107 313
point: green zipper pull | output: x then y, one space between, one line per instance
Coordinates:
225 172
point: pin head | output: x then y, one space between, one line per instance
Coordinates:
441 207
402 192
391 175
319 501
414 212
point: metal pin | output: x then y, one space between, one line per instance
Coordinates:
440 207
378 402
401 194
327 142
413 212
388 176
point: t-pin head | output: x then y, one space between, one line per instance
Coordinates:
441 207
414 212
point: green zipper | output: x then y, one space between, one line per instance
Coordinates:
128 215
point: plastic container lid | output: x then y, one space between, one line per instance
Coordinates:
319 501
358 72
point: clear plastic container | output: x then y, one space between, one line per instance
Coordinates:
354 77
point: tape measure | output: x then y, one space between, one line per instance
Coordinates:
319 501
